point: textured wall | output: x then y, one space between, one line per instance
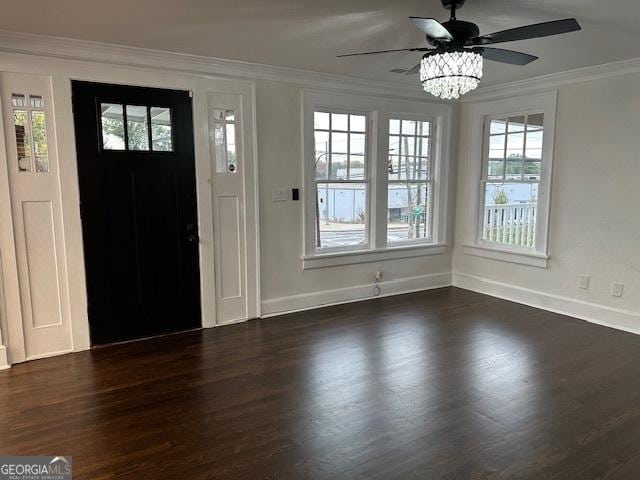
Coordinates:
595 204
279 156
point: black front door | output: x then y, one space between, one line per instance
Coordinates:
138 204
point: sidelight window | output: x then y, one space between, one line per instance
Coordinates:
31 133
224 132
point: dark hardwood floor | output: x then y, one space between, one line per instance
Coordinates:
445 384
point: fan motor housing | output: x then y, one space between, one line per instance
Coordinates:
449 3
461 31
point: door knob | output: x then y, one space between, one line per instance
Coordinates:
193 238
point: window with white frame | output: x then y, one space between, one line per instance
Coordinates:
510 180
341 182
409 188
511 153
373 179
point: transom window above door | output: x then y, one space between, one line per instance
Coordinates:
136 128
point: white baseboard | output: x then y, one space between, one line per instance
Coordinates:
617 318
4 361
308 301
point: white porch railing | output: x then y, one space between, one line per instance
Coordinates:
512 224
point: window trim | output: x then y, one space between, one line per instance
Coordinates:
474 245
372 255
378 111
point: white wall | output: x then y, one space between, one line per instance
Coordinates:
4 363
285 285
595 204
595 225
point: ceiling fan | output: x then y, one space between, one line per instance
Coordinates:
453 65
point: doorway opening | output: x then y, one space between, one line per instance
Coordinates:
137 179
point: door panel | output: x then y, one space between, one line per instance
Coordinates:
138 202
226 144
230 269
39 238
33 171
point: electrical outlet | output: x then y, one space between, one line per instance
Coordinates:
616 289
584 282
377 272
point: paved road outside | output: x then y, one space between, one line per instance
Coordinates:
341 235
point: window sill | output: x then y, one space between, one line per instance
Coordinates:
335 259
533 259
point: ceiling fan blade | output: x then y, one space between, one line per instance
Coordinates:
433 28
405 71
413 70
385 51
505 56
536 30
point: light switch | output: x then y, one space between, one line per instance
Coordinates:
616 289
279 194
584 282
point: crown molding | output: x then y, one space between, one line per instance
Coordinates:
554 80
85 50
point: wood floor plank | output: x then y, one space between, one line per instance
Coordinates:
445 384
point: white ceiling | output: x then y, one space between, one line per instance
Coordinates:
308 34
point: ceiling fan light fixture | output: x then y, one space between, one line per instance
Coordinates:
451 74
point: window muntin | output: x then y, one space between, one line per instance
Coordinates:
31 133
408 176
511 178
341 179
136 128
224 135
